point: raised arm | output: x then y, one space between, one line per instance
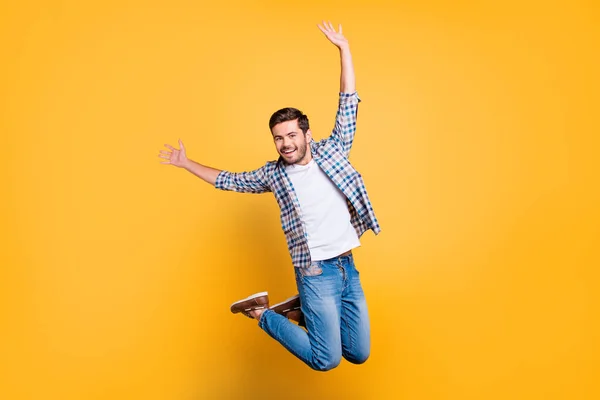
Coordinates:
244 182
345 121
347 78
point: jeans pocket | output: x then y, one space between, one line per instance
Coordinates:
313 270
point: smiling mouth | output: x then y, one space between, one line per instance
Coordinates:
289 152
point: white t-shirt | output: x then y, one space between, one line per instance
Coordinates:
324 212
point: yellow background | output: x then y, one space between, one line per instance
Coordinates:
477 138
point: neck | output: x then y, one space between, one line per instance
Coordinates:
306 159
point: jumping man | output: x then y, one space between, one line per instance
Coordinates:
325 209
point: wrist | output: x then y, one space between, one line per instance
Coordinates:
344 48
187 164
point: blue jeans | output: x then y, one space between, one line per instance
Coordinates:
335 311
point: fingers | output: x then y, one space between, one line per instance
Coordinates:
324 29
174 149
167 154
328 28
164 154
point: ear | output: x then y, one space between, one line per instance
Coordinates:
308 135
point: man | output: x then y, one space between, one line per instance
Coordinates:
324 211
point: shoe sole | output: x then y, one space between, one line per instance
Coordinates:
296 297
254 296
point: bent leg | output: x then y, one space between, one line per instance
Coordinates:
355 323
320 347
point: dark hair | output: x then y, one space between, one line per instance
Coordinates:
289 114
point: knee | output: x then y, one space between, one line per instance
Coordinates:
357 357
326 364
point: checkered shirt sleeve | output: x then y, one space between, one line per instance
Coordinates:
244 182
345 121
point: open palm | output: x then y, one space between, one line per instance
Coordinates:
176 157
334 37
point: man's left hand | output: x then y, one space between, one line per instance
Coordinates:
337 38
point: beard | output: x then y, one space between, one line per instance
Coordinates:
297 156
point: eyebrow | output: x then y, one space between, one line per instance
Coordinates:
287 134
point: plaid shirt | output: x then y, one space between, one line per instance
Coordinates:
331 155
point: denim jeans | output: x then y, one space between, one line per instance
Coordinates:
335 311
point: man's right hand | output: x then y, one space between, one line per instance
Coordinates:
176 157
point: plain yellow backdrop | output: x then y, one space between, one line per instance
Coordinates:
477 138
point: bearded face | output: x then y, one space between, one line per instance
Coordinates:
291 142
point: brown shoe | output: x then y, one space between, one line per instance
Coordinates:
290 309
291 304
257 301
